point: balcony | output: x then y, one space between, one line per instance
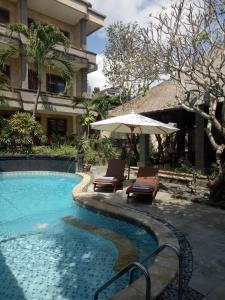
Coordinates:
22 99
68 11
82 58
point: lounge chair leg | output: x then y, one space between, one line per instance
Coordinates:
114 189
94 187
153 197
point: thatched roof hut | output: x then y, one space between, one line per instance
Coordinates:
159 98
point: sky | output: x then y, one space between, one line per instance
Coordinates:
117 10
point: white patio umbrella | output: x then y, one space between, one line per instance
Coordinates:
133 123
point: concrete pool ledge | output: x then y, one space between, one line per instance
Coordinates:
165 266
81 186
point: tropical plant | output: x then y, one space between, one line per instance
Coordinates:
96 91
38 44
95 108
4 83
103 103
89 116
3 123
98 150
52 151
20 133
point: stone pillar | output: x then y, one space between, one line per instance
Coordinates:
23 60
199 143
144 150
23 12
83 74
24 72
74 124
83 34
74 89
180 134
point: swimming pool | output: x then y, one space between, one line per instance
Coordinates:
52 248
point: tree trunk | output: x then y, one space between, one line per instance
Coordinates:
160 147
217 185
36 99
217 188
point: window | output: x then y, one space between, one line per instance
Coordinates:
55 84
32 80
6 70
66 33
4 16
57 126
6 74
29 22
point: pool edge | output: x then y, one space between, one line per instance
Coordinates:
165 266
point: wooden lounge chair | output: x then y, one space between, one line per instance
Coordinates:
147 183
113 177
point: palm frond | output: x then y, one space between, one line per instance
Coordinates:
49 35
64 68
18 28
6 53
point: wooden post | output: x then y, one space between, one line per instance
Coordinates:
131 149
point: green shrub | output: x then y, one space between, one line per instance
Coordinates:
3 123
60 150
98 151
20 133
185 166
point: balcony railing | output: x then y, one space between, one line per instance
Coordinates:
24 98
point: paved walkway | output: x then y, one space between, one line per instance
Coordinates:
203 226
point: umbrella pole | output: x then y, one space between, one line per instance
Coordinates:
130 152
128 175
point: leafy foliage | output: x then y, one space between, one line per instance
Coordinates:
128 64
4 83
185 166
97 151
89 116
20 133
56 150
96 107
103 103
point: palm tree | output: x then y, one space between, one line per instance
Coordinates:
4 83
38 44
89 116
96 108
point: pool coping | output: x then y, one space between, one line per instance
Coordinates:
52 173
165 266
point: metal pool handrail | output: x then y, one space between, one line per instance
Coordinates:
131 266
137 265
155 253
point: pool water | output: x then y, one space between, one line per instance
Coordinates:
43 257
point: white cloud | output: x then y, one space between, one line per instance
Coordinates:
128 10
97 78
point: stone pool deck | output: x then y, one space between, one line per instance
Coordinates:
203 227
